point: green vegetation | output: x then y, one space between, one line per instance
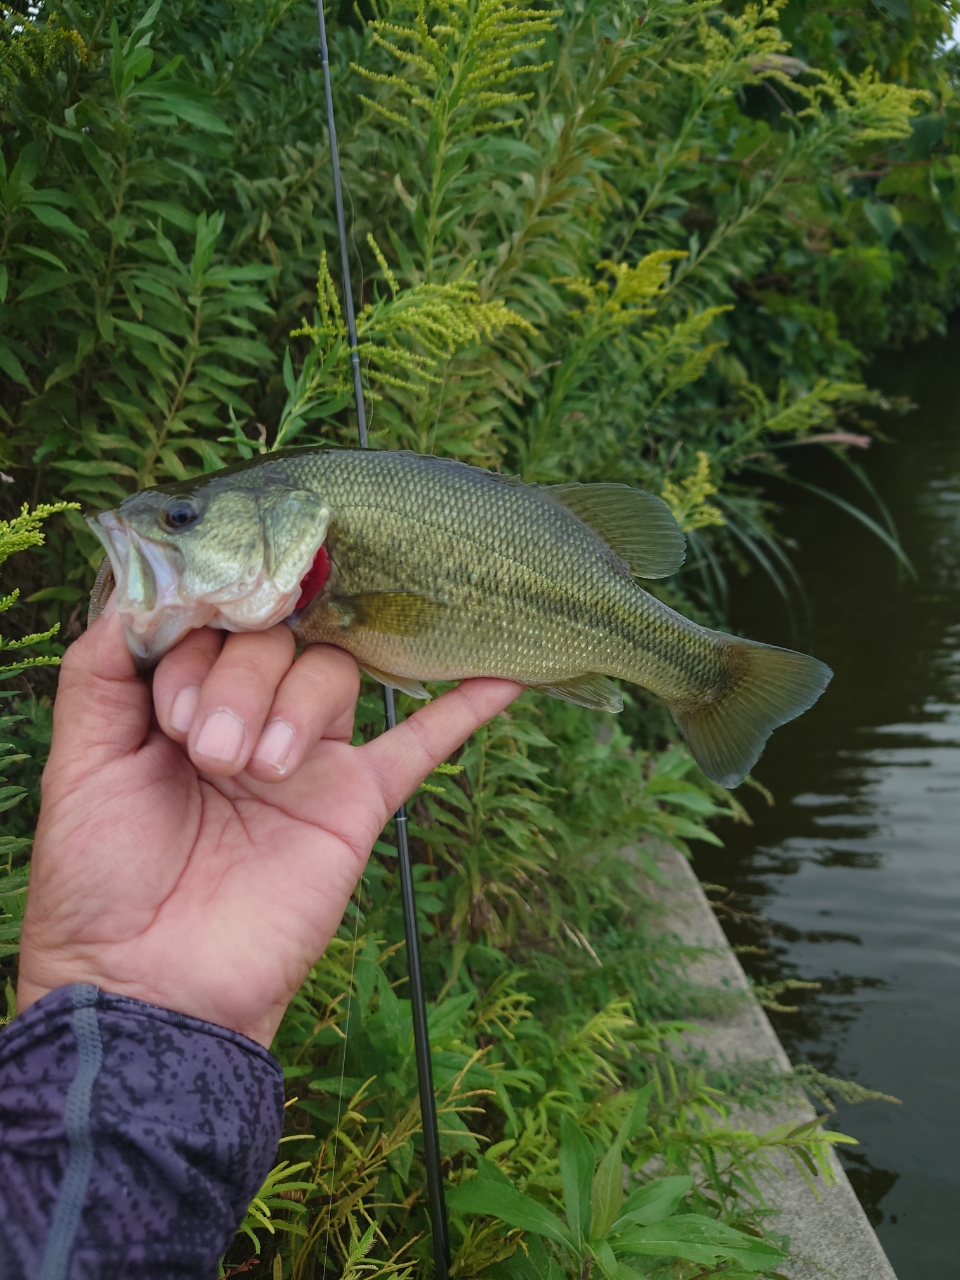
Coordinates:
601 241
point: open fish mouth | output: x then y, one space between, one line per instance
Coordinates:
159 598
148 576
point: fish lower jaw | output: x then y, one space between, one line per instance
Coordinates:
151 635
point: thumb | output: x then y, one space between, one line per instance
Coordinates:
102 709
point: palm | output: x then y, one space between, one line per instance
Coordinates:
209 894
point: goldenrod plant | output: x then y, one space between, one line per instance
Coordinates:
19 533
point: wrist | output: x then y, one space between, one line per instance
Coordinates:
258 1026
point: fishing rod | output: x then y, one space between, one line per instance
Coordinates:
421 1038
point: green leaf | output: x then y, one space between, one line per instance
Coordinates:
3 283
42 254
57 221
235 275
135 67
174 213
96 468
899 10
13 885
653 1202
696 1238
185 102
145 332
577 1162
885 219
487 1169
510 1206
12 366
23 172
606 1258
606 1193
688 830
10 796
45 282
148 19
69 594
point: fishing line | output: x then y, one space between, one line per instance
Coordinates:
418 1003
343 1069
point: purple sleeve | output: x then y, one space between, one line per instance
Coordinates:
132 1139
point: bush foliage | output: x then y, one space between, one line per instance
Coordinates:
648 243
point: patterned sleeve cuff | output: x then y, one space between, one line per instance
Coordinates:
132 1138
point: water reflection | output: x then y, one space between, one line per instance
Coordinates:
857 867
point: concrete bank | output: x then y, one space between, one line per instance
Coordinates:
830 1239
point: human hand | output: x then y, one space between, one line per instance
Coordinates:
202 860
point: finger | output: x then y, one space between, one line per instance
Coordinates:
402 758
315 700
179 678
236 698
102 709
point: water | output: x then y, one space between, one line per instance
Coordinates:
857 867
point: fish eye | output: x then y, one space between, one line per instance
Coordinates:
178 514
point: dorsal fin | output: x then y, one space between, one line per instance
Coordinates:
636 524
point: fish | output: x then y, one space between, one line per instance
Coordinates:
428 569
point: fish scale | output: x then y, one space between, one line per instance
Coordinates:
441 571
528 589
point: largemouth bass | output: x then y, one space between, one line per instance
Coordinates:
427 569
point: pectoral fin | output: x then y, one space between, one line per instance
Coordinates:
391 613
412 687
594 691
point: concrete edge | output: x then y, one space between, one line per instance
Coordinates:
831 1239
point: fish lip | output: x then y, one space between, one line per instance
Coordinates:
147 577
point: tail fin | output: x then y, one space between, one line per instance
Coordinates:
766 687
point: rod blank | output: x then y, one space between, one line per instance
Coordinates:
421 1038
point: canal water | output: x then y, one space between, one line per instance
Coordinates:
856 868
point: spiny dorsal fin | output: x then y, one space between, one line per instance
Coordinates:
392 613
594 691
636 524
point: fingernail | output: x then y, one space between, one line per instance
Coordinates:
182 711
221 737
110 608
275 745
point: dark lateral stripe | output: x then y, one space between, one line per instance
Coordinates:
73 1193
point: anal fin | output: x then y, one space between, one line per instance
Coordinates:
594 691
411 687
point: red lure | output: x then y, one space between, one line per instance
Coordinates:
313 580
